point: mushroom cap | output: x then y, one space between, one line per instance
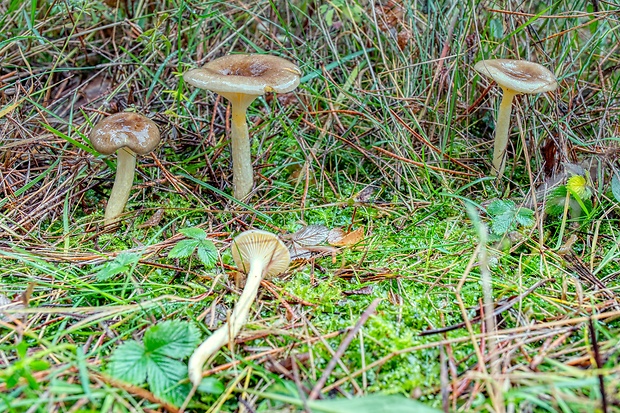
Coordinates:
518 75
251 74
256 244
125 129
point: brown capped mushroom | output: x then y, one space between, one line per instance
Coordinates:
514 77
241 79
259 254
129 134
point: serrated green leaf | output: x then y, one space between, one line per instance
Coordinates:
164 376
211 385
500 206
129 363
525 217
122 263
195 233
615 187
207 253
501 224
176 339
557 192
184 248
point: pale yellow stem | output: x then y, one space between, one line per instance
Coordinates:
230 330
501 132
243 175
125 167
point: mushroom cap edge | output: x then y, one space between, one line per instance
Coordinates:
264 244
521 76
252 74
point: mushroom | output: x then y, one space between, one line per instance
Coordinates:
514 77
241 79
129 134
259 254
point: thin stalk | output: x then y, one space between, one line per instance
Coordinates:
501 132
125 167
243 175
230 329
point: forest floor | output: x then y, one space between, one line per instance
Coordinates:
447 286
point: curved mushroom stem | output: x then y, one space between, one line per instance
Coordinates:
243 175
501 132
229 330
123 181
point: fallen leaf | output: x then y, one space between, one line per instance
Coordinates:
338 237
365 194
309 235
153 220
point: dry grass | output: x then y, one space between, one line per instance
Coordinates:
390 130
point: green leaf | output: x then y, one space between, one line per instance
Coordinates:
615 187
376 403
500 206
373 404
195 233
122 263
38 365
22 349
176 339
502 224
129 363
211 385
164 375
207 253
525 217
496 28
184 248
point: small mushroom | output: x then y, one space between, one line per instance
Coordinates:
259 254
241 79
129 134
514 77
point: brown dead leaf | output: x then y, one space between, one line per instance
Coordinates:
402 38
365 195
153 220
338 237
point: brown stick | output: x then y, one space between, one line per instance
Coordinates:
342 348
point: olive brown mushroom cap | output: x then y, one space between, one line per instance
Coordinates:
254 245
125 129
251 74
518 75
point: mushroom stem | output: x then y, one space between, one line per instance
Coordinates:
240 142
230 329
501 132
125 168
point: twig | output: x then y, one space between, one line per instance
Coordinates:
135 390
499 308
599 364
342 348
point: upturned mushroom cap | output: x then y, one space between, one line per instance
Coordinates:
253 245
125 129
251 74
518 75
